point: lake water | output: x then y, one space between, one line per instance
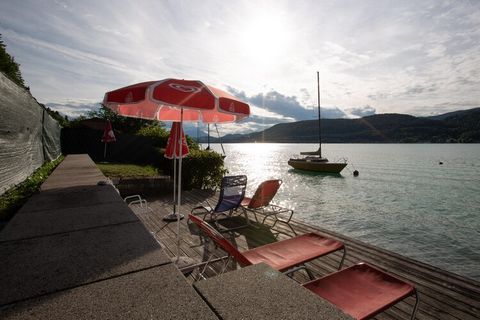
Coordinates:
403 200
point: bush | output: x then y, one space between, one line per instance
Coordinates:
160 135
201 169
156 132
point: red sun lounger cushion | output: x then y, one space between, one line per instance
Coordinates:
362 291
286 254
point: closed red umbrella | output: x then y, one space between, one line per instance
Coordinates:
176 148
108 137
176 100
172 150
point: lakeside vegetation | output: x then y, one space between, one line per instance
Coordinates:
12 200
201 168
122 170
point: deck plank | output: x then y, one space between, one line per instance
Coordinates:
443 295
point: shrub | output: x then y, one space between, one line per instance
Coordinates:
201 169
156 132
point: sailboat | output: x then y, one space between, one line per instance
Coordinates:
314 160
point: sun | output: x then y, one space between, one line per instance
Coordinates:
265 37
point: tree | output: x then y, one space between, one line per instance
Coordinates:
8 65
120 123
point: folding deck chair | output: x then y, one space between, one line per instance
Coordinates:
232 191
363 291
260 202
283 256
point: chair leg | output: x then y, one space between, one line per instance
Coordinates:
415 307
310 274
252 211
291 271
225 265
343 258
246 216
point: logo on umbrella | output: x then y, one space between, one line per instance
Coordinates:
184 88
129 97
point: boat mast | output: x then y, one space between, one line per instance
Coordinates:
319 126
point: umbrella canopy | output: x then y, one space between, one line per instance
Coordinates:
173 149
161 100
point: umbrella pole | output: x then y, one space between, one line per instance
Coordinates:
174 182
173 215
105 151
179 197
180 261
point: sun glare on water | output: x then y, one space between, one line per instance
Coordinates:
264 166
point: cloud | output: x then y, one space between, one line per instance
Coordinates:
74 109
361 111
419 89
404 57
287 108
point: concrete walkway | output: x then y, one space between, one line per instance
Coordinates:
76 251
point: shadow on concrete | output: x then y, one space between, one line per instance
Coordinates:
80 252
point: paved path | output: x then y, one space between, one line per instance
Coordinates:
76 251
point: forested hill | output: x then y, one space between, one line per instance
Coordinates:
460 126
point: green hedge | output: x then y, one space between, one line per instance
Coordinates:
201 169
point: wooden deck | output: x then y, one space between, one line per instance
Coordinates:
443 295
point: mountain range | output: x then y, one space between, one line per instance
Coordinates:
458 126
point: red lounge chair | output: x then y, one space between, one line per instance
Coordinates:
283 255
362 291
260 202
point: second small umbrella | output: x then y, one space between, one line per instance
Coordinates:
176 147
108 137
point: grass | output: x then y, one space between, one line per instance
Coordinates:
122 170
13 199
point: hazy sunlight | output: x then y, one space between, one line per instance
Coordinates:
265 37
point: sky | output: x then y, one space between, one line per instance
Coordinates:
418 57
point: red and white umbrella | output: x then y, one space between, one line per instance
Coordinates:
162 100
176 100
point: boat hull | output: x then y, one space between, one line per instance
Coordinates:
317 166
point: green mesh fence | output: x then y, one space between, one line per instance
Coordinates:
28 135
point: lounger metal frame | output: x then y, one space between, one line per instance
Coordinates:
243 261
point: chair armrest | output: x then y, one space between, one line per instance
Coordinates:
200 209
